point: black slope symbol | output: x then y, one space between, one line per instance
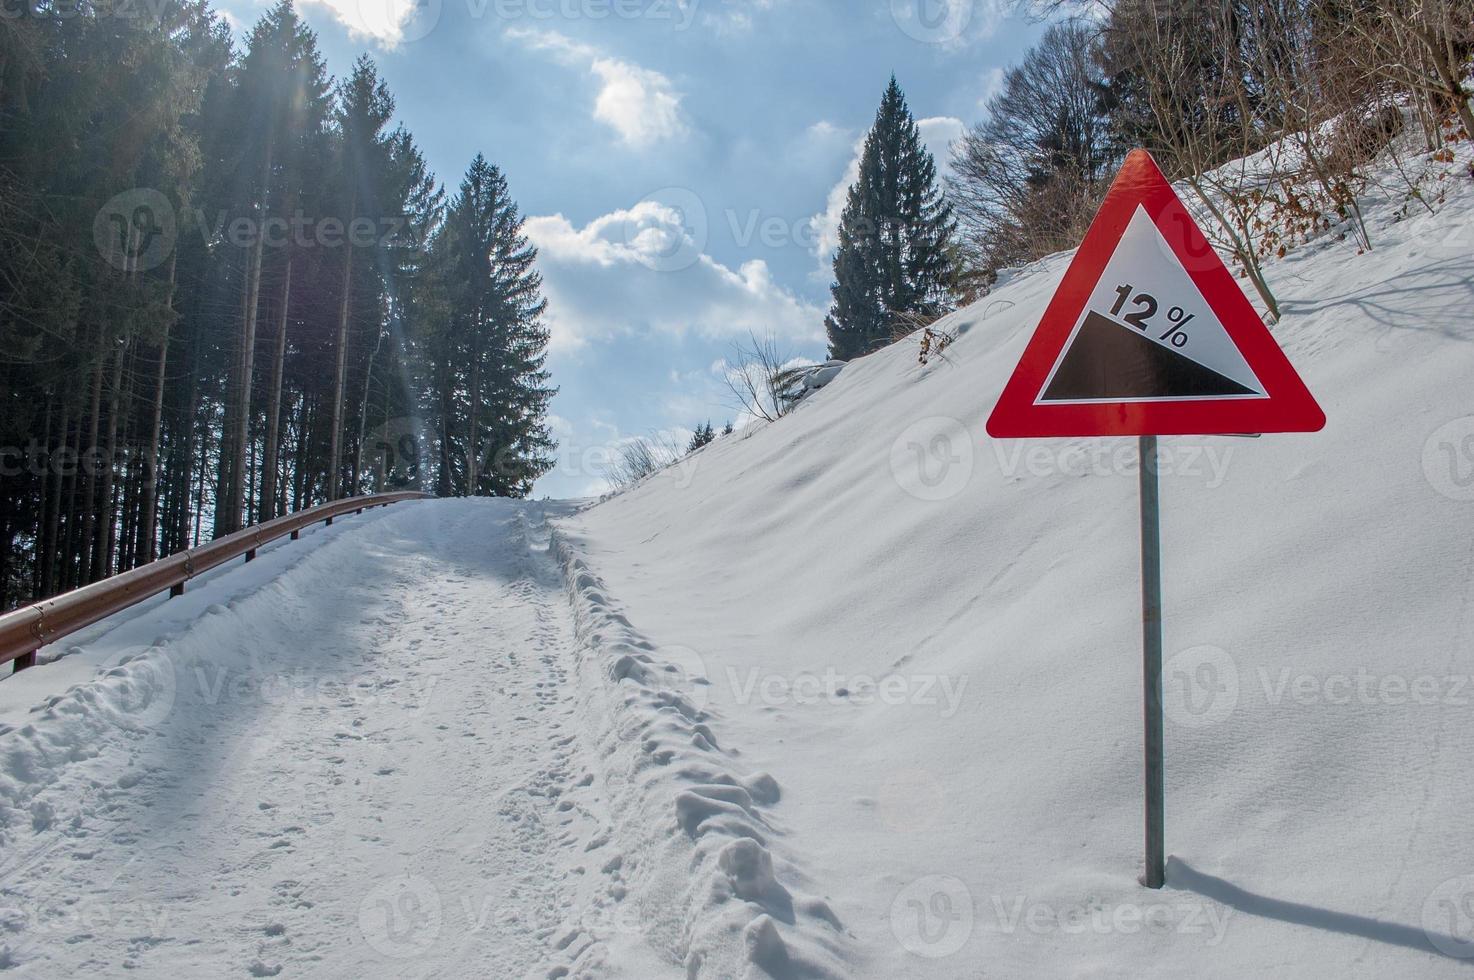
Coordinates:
1111 362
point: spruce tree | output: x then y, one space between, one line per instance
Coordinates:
894 255
703 435
494 306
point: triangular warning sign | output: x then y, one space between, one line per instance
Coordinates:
1149 334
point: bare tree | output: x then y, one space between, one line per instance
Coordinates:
1418 46
1027 179
634 459
755 375
1177 70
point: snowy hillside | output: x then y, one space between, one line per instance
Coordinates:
853 694
931 641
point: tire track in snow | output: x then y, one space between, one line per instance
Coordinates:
365 767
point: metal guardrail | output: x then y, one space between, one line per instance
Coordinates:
25 630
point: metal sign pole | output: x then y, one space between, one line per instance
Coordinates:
1151 627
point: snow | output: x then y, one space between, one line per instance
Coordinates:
356 756
931 641
852 694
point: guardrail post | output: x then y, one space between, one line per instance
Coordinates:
360 510
328 522
296 534
25 660
176 590
251 555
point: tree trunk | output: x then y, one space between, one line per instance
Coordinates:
368 374
53 505
102 558
148 507
445 484
269 492
199 500
148 548
44 488
239 432
305 421
475 411
68 535
88 461
191 429
340 375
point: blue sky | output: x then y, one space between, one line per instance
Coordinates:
681 164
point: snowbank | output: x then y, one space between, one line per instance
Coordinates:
691 827
931 641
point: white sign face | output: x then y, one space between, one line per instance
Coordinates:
1147 334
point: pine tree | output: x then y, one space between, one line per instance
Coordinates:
190 313
281 102
703 435
894 255
364 109
494 304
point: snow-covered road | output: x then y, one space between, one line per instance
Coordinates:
356 766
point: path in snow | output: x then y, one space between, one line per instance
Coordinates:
353 770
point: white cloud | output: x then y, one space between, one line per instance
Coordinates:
615 276
953 25
937 132
389 22
823 130
992 85
826 224
639 104
734 17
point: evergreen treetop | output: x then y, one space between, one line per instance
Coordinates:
894 256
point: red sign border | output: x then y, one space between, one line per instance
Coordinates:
1289 406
